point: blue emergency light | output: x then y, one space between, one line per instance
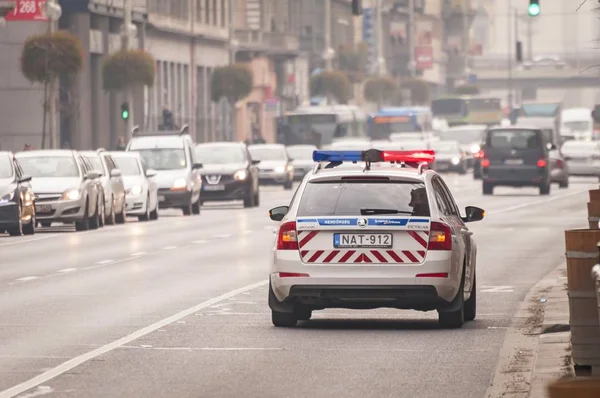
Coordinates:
375 156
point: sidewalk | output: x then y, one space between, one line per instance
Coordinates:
553 359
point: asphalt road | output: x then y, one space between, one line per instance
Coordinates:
177 308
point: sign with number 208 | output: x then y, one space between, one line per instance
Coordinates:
27 10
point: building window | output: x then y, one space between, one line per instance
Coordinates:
224 13
207 12
215 12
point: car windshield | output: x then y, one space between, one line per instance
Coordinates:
49 166
464 137
128 166
219 154
164 158
96 163
578 126
6 169
301 152
267 153
347 198
513 139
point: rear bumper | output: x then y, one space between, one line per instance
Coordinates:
168 198
514 177
235 190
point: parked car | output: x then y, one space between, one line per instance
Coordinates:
469 137
112 184
228 173
302 161
582 157
140 185
17 201
67 188
450 157
275 164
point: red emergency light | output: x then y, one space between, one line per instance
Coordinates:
414 156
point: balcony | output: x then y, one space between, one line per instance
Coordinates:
270 43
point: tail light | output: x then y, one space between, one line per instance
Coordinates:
479 155
542 163
485 163
559 164
287 238
440 237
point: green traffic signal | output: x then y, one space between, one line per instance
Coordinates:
125 115
125 111
534 9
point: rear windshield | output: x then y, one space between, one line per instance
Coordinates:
347 198
514 139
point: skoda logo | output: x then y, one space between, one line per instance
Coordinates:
362 222
37 197
213 179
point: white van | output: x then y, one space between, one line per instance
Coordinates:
577 122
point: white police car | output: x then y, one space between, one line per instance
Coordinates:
362 234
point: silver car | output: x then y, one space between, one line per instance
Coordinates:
112 183
67 189
301 156
275 165
582 157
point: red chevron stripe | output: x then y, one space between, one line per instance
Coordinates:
307 238
421 253
394 256
347 256
331 256
316 256
378 256
410 256
417 237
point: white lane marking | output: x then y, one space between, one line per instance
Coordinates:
208 348
222 236
29 240
41 390
198 242
248 232
537 202
73 363
27 278
66 270
104 262
497 289
139 254
169 247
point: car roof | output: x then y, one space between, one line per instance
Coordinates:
89 153
6 153
47 152
474 127
221 144
267 146
125 154
159 141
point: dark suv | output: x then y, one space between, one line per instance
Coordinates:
228 173
516 157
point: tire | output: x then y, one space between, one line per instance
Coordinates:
564 184
476 175
545 189
303 314
454 319
187 210
29 229
471 303
102 214
154 213
288 185
94 221
463 170
17 230
111 217
84 224
121 218
283 319
146 216
46 224
196 207
488 189
248 199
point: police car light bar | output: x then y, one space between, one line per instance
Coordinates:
375 156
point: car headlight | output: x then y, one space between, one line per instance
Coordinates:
71 194
179 183
240 175
279 169
475 148
290 167
455 161
8 197
137 190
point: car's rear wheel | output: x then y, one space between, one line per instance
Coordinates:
154 213
111 217
17 230
471 303
187 210
257 198
102 214
488 189
564 184
303 313
146 215
196 207
283 319
453 319
545 189
463 169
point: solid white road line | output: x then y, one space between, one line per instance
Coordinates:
169 247
66 270
104 262
73 363
27 278
30 240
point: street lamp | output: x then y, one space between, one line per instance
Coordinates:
52 11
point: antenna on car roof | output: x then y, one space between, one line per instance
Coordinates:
134 130
184 129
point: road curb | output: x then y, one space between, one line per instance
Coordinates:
536 348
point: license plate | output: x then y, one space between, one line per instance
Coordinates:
513 161
43 208
214 187
161 198
359 241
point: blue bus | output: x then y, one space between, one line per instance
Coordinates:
395 121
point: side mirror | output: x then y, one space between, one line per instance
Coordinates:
473 214
255 162
551 146
25 179
92 175
290 160
150 173
277 213
116 173
197 166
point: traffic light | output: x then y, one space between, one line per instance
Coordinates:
519 51
357 7
534 8
125 111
